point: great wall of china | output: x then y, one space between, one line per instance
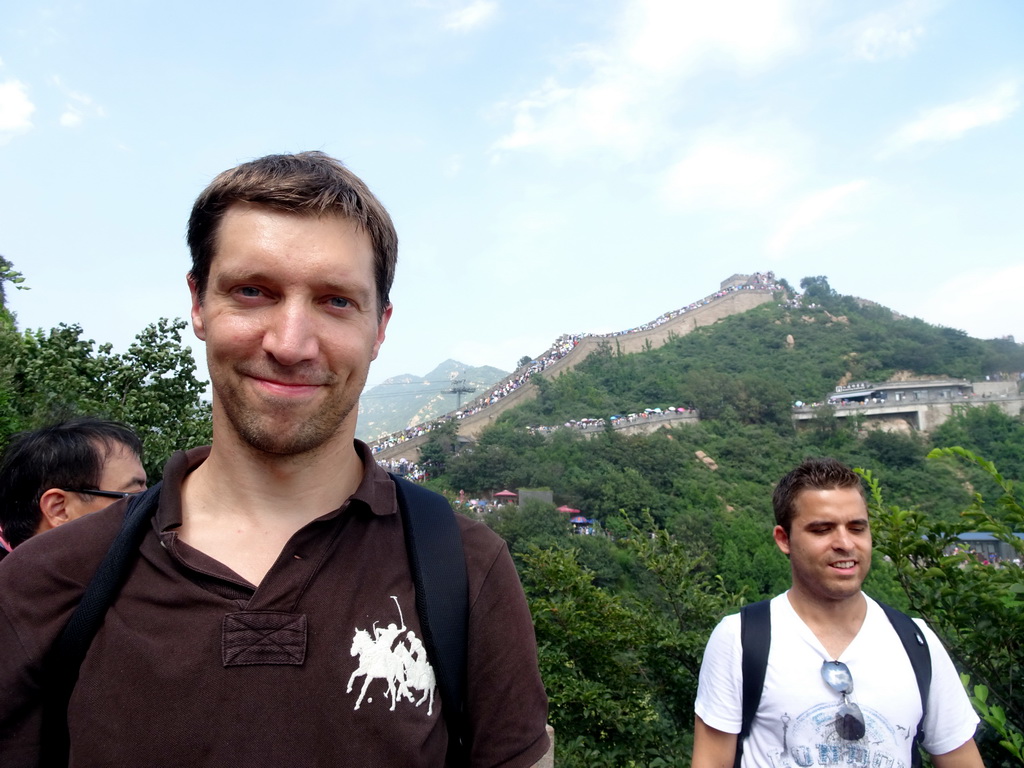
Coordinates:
716 308
734 298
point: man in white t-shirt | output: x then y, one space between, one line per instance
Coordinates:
839 688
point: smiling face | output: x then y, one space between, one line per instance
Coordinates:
291 325
829 544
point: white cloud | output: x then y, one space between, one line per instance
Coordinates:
952 121
894 33
878 43
727 173
71 118
984 302
679 36
472 16
810 212
608 114
452 166
15 109
80 106
623 100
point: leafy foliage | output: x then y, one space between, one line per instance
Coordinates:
47 376
441 444
621 668
533 524
975 606
8 274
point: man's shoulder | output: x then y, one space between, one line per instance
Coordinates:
43 579
775 605
727 634
880 612
67 555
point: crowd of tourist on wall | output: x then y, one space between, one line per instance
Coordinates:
562 346
758 282
618 420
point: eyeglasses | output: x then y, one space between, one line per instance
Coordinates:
108 494
849 719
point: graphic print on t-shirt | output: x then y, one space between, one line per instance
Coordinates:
810 740
393 660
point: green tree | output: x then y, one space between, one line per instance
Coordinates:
986 431
152 387
894 450
817 290
621 667
442 444
975 606
532 524
8 274
589 640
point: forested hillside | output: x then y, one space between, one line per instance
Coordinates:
752 367
622 617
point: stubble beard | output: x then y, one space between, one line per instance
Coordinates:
827 589
268 428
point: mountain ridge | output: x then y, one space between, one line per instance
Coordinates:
407 399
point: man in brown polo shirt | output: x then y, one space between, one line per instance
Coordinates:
270 619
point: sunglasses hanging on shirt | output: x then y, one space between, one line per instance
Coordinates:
849 719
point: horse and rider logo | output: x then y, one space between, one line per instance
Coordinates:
395 656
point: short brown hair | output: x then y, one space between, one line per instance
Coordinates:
822 474
308 184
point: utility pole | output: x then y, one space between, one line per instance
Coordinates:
459 388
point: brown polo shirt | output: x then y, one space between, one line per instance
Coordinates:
321 665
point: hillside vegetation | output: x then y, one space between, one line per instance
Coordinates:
755 365
622 619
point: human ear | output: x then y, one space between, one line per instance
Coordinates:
198 324
53 506
781 539
381 327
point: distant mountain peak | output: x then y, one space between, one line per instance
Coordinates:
401 401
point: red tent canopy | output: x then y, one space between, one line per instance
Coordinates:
567 509
505 495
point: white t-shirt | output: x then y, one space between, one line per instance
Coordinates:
794 726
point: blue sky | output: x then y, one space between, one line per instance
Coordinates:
552 166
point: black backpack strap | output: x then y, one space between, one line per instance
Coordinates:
756 640
68 652
916 646
438 563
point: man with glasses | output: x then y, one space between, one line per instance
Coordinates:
59 473
839 686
